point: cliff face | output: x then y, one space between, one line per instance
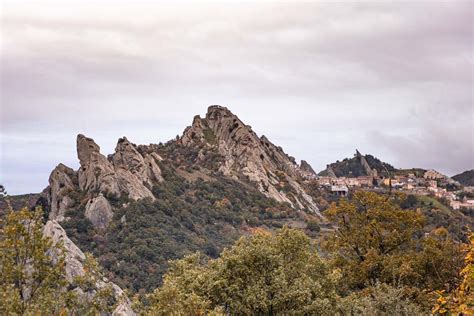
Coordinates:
126 172
258 159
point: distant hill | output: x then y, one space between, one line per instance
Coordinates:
359 165
19 201
466 178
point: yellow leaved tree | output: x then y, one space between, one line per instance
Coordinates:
461 300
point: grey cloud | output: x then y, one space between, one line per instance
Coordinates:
393 78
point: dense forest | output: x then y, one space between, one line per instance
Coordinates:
378 261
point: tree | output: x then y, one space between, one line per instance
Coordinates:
183 289
263 274
461 300
373 240
30 280
3 191
377 241
380 299
33 276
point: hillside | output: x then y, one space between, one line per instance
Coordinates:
146 204
359 165
466 178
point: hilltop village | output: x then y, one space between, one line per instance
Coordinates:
409 181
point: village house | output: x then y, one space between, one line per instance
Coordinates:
433 175
340 190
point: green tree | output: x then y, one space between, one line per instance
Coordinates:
30 280
263 274
380 300
183 290
460 301
33 276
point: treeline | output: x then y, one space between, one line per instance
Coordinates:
377 262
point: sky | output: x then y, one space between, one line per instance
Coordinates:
390 78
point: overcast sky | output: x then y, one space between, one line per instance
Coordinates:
394 79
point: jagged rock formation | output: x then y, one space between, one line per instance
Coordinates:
306 169
96 173
62 180
257 159
99 211
364 163
127 172
74 268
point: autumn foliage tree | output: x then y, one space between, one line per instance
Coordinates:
375 241
461 300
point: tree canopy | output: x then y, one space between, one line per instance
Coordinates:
263 274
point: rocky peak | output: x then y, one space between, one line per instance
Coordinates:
85 148
62 180
127 171
256 158
306 169
127 156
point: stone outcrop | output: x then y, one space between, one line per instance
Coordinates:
96 173
61 181
306 170
99 211
74 259
134 170
263 163
364 163
127 172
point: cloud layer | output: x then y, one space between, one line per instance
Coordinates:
393 79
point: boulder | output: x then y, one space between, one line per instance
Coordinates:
99 212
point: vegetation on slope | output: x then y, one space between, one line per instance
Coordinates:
466 178
187 216
378 262
352 167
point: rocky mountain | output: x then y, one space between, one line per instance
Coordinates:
359 165
132 170
143 205
466 178
245 154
